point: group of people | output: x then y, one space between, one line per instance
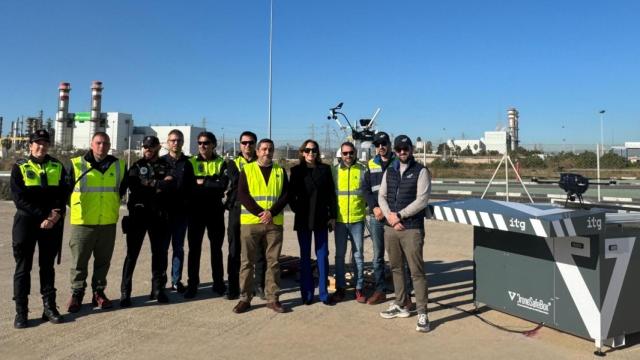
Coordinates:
174 196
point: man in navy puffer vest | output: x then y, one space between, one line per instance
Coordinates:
403 197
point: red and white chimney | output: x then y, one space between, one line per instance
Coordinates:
96 106
62 114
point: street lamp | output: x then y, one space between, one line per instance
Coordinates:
602 132
270 62
444 148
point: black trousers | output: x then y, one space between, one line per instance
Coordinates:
211 220
26 233
142 222
233 259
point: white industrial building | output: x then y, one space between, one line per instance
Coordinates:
497 141
117 125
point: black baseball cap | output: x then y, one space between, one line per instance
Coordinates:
39 135
150 141
381 137
401 142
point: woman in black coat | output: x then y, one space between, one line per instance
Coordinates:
313 199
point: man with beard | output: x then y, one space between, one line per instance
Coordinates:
246 156
150 184
178 205
262 191
403 196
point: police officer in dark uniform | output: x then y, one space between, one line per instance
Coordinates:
39 189
206 211
150 183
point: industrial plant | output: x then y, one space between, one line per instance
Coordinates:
500 140
73 130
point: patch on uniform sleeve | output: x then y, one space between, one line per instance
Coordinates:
31 174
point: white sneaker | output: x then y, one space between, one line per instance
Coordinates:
395 311
423 323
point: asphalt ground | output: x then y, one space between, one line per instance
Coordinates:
206 327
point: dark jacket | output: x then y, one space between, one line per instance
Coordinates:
312 196
402 191
209 195
149 189
184 180
38 201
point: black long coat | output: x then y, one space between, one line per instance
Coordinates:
312 196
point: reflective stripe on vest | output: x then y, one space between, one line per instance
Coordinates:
95 199
32 173
207 167
266 195
351 202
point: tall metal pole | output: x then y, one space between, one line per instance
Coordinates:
270 63
602 132
598 171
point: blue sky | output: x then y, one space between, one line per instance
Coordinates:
436 69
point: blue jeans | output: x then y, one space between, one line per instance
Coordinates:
178 229
377 238
350 233
322 254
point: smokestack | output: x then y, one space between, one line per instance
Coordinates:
513 116
63 114
96 105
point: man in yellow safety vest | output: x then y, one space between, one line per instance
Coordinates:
95 204
262 191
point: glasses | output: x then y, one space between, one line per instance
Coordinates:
204 143
147 147
310 150
347 153
404 149
247 143
175 140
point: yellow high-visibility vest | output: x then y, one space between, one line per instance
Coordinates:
264 194
95 199
203 168
32 173
240 162
351 201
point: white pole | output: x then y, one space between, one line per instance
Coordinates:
506 173
601 132
598 169
270 62
424 151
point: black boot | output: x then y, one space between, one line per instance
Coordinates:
50 310
21 320
161 296
125 300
